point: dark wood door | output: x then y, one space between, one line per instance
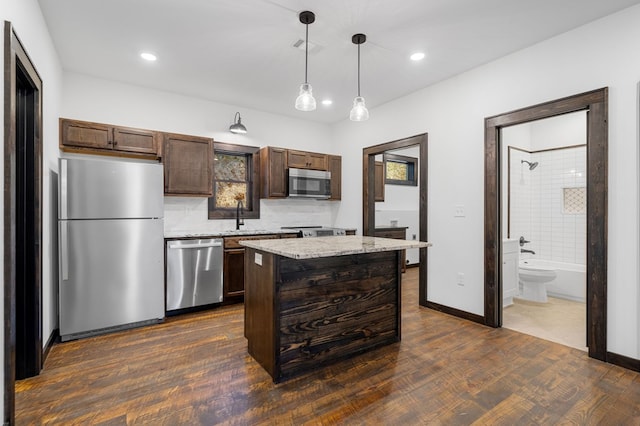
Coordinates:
85 134
135 140
273 172
335 167
187 165
379 181
233 273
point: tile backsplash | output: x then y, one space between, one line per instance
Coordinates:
189 215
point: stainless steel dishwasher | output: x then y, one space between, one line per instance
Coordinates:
194 272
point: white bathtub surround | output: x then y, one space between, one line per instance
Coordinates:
541 210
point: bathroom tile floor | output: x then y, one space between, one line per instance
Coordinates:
559 320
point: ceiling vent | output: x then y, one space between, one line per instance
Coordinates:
313 48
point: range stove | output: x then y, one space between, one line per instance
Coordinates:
315 231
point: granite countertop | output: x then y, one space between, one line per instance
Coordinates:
229 233
308 248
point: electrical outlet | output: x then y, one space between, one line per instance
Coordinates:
458 211
414 236
460 279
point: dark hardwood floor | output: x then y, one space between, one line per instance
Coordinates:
194 369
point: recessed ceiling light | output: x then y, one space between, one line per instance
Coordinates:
148 56
417 56
327 102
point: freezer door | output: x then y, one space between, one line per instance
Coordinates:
96 189
111 273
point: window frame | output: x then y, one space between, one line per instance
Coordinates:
252 153
412 169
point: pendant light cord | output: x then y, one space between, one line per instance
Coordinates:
358 70
306 53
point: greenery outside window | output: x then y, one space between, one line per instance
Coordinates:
236 171
400 170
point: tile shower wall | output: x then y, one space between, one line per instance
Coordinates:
548 203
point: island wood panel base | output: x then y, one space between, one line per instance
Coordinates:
303 314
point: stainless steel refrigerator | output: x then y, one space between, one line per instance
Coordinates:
111 245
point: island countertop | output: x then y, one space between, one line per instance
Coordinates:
309 248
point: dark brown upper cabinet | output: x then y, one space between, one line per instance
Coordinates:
273 172
106 139
274 163
306 160
379 181
188 165
335 167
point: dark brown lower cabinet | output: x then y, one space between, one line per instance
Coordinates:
233 283
398 233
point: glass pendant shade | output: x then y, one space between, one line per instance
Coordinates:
305 100
359 111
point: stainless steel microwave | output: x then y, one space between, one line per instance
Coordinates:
309 183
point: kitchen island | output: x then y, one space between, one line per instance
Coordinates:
312 301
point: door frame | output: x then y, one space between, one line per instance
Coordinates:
368 197
596 105
15 56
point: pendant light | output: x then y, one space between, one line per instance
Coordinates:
237 126
305 100
359 111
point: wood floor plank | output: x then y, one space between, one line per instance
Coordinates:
194 369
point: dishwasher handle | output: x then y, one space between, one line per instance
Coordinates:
180 245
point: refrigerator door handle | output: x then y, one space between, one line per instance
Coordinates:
63 189
64 248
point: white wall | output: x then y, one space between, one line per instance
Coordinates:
92 99
603 53
29 25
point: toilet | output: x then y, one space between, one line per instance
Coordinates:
534 279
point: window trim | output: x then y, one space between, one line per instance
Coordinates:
395 158
253 170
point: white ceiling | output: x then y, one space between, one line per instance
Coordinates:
241 52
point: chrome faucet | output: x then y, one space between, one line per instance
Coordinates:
527 251
239 213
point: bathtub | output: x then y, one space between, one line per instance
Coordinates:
571 282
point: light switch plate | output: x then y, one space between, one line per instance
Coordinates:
258 259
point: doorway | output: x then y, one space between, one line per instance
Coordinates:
369 191
595 105
543 188
22 218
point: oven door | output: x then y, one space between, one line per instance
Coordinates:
309 183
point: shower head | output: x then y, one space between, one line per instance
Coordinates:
531 165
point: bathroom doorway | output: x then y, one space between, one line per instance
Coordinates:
595 105
543 169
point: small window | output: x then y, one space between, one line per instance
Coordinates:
400 170
235 179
